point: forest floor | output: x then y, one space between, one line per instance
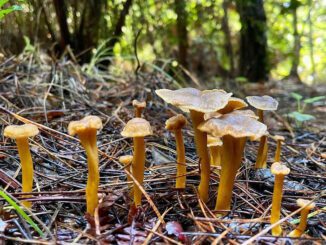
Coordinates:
51 96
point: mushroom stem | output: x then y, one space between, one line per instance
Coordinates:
260 114
181 160
215 153
27 167
297 232
232 149
88 141
138 112
261 161
138 167
276 204
277 157
202 152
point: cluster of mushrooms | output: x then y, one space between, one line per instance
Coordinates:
221 128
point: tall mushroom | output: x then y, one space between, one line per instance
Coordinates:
197 103
306 206
176 124
139 107
262 103
21 133
137 128
86 130
233 129
279 170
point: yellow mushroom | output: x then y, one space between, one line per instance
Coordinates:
197 103
215 149
279 170
306 206
176 124
86 130
232 105
262 103
139 107
21 133
127 161
279 139
137 128
234 129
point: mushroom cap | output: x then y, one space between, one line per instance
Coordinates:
127 159
303 202
137 127
20 131
193 99
279 169
213 141
88 122
248 113
233 104
279 137
175 122
265 103
139 104
237 126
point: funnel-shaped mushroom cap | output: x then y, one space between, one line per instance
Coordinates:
176 122
20 131
139 104
279 137
237 126
213 141
279 169
302 202
247 113
265 103
127 159
88 122
193 99
233 104
137 127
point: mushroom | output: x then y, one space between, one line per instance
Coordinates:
215 147
279 170
279 139
262 103
175 124
197 103
137 128
233 129
21 133
233 104
306 206
139 107
127 160
86 130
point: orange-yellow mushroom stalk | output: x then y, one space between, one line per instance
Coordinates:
279 171
215 149
306 206
139 107
86 130
197 103
21 133
234 130
175 124
127 161
279 139
138 128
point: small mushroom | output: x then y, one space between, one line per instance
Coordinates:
306 206
21 133
234 130
127 161
279 139
232 105
262 103
215 149
175 124
139 107
197 103
279 170
137 128
86 130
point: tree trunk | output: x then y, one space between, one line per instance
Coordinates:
182 32
61 12
253 44
227 36
296 48
311 42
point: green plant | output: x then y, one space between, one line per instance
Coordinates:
5 11
299 115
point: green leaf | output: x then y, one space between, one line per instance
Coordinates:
301 117
314 99
296 96
16 7
19 210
